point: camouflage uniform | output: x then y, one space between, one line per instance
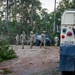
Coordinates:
32 39
56 39
17 39
43 37
23 39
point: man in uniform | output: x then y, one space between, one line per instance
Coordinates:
32 39
23 39
43 38
56 39
17 39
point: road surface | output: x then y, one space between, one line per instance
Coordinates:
35 61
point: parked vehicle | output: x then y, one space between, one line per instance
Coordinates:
67 43
47 42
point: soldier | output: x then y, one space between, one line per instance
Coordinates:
56 39
23 39
17 39
32 39
43 38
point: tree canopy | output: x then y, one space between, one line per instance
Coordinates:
28 15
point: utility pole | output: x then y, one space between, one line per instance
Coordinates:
54 29
7 18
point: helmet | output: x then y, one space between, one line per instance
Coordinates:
31 32
44 31
23 32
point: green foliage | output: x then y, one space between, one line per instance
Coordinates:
7 72
1 59
6 51
31 9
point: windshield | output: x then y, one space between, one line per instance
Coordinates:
38 36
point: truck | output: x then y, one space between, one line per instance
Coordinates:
67 43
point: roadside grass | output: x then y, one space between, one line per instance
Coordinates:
6 51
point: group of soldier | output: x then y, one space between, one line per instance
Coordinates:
32 39
22 39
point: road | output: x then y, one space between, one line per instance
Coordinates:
35 61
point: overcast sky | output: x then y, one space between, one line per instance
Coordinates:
49 4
